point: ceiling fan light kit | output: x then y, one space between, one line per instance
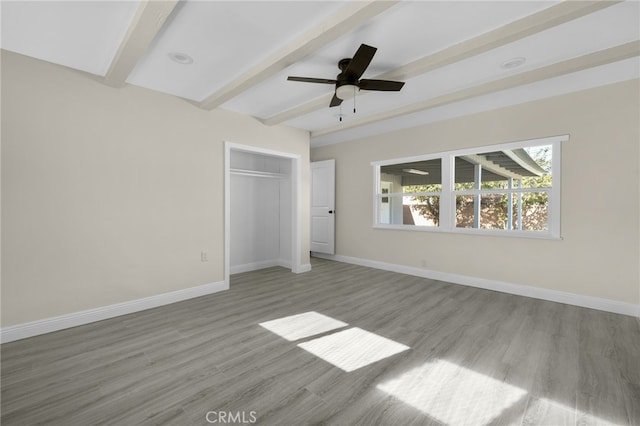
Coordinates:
348 83
347 91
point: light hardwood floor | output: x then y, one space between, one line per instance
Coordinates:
474 357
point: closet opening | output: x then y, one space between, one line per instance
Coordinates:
262 212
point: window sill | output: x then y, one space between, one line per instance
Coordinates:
538 235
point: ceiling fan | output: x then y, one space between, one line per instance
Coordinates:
348 82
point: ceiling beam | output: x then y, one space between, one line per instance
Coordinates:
524 27
146 24
602 57
345 20
301 110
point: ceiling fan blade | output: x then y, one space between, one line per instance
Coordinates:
312 80
381 85
335 101
360 61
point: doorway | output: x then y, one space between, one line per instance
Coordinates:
262 209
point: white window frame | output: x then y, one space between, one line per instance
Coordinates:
448 194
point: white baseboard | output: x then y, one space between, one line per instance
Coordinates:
248 267
305 267
518 289
284 263
48 325
254 266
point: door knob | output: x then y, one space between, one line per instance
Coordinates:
330 211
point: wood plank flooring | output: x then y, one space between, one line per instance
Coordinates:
476 357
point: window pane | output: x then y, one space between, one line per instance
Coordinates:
417 176
409 210
465 211
494 211
521 168
534 214
464 174
542 155
423 211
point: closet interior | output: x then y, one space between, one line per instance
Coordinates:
261 211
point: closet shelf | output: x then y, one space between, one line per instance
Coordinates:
257 173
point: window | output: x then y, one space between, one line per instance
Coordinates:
508 189
410 193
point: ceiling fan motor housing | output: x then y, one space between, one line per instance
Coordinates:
344 63
346 77
347 85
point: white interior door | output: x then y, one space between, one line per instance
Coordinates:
323 189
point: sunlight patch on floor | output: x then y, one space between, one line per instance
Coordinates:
453 394
299 326
546 411
353 348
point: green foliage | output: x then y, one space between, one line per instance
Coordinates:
429 206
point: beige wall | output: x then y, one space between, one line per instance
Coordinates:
111 194
599 253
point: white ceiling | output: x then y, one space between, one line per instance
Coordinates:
227 39
223 38
84 35
422 32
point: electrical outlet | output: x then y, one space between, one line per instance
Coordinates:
204 256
